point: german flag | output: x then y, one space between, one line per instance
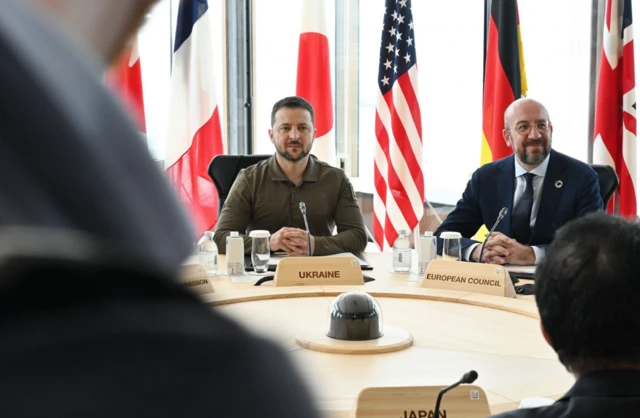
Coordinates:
504 75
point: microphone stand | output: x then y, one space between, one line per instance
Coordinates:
467 378
502 214
303 209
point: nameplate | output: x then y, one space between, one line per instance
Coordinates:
315 271
490 279
194 277
464 401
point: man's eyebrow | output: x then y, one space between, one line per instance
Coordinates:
537 120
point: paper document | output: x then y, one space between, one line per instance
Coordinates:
514 268
345 254
534 403
244 279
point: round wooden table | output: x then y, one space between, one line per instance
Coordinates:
453 333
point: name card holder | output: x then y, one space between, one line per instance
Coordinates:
316 271
490 279
194 277
464 401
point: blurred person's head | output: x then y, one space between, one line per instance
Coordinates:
104 26
587 291
528 131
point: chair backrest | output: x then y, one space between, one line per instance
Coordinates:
224 169
608 180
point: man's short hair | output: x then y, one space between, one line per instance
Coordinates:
292 102
587 291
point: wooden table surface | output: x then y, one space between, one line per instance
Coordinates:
453 333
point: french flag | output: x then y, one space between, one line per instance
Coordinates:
126 78
313 81
195 136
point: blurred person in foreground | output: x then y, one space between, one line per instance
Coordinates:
587 293
93 320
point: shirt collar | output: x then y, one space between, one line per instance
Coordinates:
311 173
540 170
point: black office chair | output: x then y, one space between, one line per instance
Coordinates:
224 169
608 180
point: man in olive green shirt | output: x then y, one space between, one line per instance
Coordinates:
268 194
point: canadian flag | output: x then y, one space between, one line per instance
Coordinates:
313 81
126 78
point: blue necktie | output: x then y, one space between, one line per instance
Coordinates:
521 216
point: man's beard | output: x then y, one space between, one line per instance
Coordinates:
283 153
535 158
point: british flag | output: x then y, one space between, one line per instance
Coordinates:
615 117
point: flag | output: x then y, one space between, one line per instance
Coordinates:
126 78
615 116
398 179
313 81
504 76
195 136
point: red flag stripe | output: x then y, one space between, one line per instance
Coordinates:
126 78
190 176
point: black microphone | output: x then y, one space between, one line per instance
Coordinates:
467 378
303 209
502 214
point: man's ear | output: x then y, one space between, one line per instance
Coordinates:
545 335
271 134
507 137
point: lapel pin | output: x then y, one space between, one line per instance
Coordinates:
559 184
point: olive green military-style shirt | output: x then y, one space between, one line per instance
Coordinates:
263 197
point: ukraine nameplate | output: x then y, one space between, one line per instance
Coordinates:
315 271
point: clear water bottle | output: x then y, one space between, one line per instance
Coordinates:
208 253
402 253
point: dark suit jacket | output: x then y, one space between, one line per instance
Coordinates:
89 330
570 190
600 394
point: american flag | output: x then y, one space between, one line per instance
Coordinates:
399 182
615 117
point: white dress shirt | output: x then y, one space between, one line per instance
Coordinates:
520 184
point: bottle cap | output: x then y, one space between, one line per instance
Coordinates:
234 233
450 235
428 233
208 233
402 232
260 233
